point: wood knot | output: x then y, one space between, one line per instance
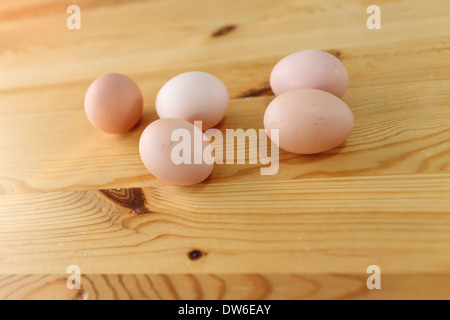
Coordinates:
224 30
195 254
335 53
263 90
131 198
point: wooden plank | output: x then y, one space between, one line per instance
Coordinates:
223 287
329 225
60 150
148 30
401 111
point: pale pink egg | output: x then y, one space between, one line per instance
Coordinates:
113 103
309 120
193 96
175 150
311 69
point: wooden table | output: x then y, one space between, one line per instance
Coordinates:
71 195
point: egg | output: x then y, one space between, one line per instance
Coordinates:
311 69
113 103
309 120
193 96
176 159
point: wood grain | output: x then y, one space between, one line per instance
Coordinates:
221 287
72 195
330 225
387 139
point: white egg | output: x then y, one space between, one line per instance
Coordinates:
193 96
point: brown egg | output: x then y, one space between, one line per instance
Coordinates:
309 120
176 151
113 103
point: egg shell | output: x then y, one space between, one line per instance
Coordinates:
113 103
155 148
193 96
309 120
313 69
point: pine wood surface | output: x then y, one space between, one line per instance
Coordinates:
70 195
